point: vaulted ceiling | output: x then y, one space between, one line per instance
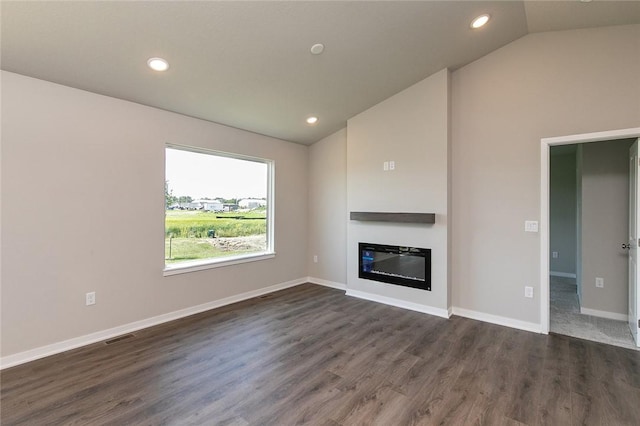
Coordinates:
248 64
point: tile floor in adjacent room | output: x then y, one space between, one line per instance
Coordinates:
566 317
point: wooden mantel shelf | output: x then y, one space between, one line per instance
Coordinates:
394 217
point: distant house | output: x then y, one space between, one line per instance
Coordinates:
191 205
251 203
210 205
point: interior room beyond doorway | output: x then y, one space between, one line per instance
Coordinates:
588 222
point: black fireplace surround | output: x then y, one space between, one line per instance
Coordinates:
406 266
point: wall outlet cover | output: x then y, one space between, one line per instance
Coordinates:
528 292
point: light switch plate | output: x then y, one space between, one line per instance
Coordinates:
530 226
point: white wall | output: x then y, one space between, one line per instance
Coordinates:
605 226
70 161
563 212
542 85
410 128
327 209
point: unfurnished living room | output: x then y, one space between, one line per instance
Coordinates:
320 212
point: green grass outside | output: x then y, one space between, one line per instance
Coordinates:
184 249
190 230
185 223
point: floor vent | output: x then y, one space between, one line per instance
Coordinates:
119 338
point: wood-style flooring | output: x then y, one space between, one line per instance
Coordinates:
311 355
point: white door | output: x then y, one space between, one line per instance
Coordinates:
634 222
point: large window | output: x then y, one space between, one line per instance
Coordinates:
218 209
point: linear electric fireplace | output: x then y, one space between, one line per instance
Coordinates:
407 266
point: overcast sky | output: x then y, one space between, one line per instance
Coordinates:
202 175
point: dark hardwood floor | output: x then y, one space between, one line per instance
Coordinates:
312 355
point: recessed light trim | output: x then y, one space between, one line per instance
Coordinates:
158 64
312 120
317 49
480 21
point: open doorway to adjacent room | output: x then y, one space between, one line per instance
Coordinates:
588 232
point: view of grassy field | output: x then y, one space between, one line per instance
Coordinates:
187 233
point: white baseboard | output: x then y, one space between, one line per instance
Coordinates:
326 283
495 319
76 342
444 313
604 314
562 274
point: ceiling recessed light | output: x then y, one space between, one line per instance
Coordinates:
480 21
317 49
312 120
158 64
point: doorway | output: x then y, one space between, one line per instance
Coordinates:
546 144
589 210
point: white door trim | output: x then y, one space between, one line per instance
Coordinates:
545 144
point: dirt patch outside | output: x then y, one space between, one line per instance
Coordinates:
250 243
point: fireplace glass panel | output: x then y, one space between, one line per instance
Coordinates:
406 266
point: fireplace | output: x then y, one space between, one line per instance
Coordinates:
406 266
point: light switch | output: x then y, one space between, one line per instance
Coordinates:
528 292
385 166
392 165
530 226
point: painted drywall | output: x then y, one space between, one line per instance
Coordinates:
605 225
542 85
563 212
83 210
411 129
579 221
327 209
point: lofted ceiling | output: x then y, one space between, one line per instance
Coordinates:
248 64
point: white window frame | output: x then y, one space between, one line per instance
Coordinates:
204 264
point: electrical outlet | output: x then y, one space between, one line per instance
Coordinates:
315 258
599 282
392 165
90 298
528 292
555 254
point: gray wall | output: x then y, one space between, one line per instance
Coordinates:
61 144
563 211
327 209
410 128
542 85
83 210
579 220
605 225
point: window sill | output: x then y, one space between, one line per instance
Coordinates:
186 267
